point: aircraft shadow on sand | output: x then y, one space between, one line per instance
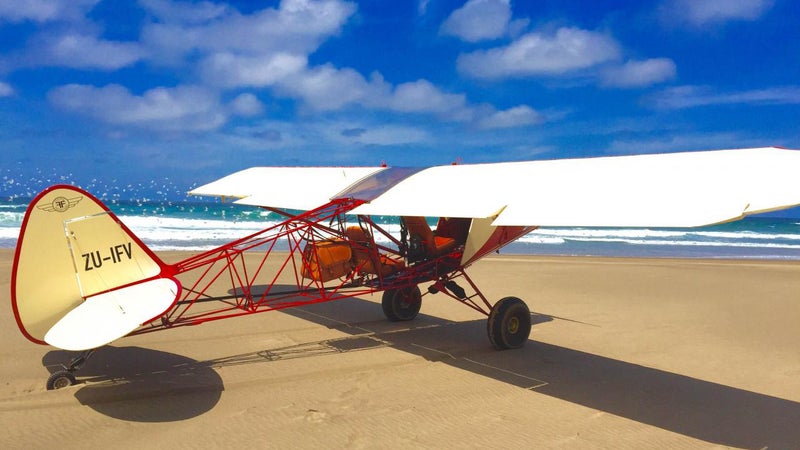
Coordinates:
143 385
696 408
689 406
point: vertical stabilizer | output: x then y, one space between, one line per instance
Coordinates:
72 248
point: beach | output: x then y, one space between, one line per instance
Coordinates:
624 353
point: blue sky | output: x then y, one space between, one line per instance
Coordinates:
148 89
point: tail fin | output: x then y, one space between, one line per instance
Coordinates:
81 278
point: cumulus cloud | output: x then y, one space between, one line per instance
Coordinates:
517 116
478 20
296 26
65 37
233 70
327 88
83 51
702 12
225 49
183 108
45 10
267 48
635 74
246 105
539 54
694 96
423 96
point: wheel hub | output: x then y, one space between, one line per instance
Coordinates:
513 325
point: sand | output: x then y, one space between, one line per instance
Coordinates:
624 353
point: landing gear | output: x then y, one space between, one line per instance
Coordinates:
60 379
403 304
509 324
66 377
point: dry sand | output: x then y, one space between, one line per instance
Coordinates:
624 353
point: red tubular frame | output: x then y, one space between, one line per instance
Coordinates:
226 266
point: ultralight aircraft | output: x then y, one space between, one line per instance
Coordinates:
81 279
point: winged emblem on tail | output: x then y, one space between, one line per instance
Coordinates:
61 204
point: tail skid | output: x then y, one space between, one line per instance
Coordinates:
81 279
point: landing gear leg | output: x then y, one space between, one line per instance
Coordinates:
66 377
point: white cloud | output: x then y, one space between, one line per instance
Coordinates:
423 96
539 54
246 105
226 50
702 12
347 137
169 109
5 89
692 96
267 48
634 74
65 37
478 20
232 70
517 116
326 87
45 10
83 51
296 26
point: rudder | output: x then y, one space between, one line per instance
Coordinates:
72 248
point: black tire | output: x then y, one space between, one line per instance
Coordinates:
509 324
400 305
60 379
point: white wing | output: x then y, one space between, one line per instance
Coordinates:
664 190
286 187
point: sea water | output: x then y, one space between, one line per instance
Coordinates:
190 224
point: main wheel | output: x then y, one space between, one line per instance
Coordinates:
402 304
60 379
509 323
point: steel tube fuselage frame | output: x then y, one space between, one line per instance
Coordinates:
268 270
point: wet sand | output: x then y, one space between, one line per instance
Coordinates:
624 353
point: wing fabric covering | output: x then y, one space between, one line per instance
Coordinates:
665 190
112 315
302 188
661 190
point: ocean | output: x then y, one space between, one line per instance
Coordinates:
200 225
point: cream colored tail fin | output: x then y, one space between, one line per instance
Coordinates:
77 266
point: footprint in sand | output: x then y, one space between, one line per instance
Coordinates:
315 416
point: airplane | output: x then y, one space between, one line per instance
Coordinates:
81 279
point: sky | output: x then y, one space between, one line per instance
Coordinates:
133 90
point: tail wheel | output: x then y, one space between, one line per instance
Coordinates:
509 323
60 379
402 304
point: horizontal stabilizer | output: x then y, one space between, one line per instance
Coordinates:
106 317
